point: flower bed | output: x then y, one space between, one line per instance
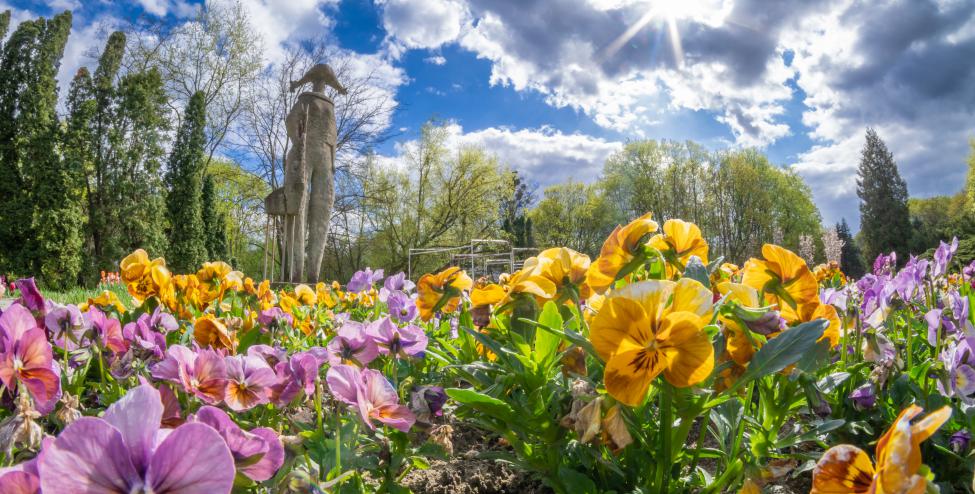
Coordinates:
651 367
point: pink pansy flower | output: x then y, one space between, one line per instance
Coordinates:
352 345
249 380
26 357
396 341
125 451
371 393
258 454
109 331
20 479
297 374
202 373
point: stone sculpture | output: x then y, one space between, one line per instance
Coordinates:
305 201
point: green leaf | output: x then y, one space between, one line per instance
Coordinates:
547 343
696 270
815 359
576 482
483 403
784 350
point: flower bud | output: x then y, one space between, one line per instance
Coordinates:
960 441
864 397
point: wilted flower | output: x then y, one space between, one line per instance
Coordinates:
371 393
405 342
21 429
121 452
442 435
202 373
258 453
70 409
427 402
27 358
352 345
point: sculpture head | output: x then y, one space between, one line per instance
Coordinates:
319 76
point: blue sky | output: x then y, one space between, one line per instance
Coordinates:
555 86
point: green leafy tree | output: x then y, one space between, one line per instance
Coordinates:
4 22
187 245
16 71
574 215
100 190
515 204
136 194
851 260
55 187
239 201
214 222
884 215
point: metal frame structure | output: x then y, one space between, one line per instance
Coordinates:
469 256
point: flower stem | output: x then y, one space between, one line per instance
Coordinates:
666 423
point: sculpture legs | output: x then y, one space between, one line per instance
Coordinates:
319 212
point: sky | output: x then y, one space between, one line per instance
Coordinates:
553 87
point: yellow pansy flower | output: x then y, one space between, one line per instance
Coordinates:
619 250
216 278
848 469
431 288
104 300
653 327
680 240
142 277
208 331
546 274
784 278
305 295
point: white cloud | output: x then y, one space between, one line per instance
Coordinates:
155 7
435 60
423 23
542 155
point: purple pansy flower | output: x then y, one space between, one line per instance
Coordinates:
274 318
31 298
402 307
427 402
373 396
864 397
20 479
142 335
125 452
109 331
202 373
258 454
26 357
66 325
409 341
885 264
960 373
270 354
249 381
959 441
297 374
363 280
352 345
942 257
395 283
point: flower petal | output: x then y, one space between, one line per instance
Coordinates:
843 469
137 416
193 459
90 456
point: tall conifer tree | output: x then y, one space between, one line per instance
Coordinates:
884 216
851 260
187 246
214 223
15 215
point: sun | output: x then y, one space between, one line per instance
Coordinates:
667 14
